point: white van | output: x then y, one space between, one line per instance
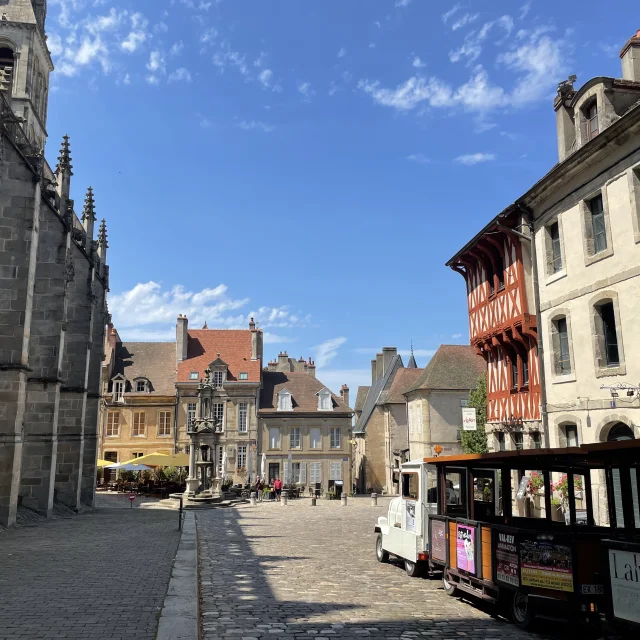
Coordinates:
404 532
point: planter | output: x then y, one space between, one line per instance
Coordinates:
557 514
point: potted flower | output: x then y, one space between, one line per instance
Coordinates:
562 488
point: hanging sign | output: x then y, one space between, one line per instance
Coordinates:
469 419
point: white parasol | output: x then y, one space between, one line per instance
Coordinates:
263 469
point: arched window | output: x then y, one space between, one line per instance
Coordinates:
7 64
620 431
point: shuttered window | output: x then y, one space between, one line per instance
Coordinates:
314 472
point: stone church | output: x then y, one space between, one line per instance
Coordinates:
53 281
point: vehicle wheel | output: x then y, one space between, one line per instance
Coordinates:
448 585
520 610
381 554
414 569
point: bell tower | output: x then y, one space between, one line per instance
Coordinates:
25 64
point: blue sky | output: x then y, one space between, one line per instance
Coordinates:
314 163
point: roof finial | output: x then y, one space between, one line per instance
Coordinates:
204 326
102 234
64 159
89 209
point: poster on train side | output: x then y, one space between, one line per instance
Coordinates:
507 560
466 548
546 565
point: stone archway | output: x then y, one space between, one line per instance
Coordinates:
620 431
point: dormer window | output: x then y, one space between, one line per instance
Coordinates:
118 389
591 120
218 378
141 386
284 401
243 375
193 375
324 400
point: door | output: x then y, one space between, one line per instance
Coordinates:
274 471
110 474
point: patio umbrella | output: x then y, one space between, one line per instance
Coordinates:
223 475
263 469
104 463
126 466
152 459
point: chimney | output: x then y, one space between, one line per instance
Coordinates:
344 394
565 119
379 365
112 336
630 56
374 375
272 365
256 341
388 354
311 368
283 362
182 338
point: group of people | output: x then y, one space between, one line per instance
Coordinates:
272 489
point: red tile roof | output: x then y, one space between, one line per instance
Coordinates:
234 347
403 380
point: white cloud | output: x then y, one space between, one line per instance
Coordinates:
472 46
450 13
176 48
417 63
475 158
209 35
342 53
456 336
204 122
133 41
524 10
464 20
403 3
249 125
156 62
161 27
327 351
353 378
265 77
274 338
150 310
333 88
180 75
408 95
306 90
419 353
420 158
227 58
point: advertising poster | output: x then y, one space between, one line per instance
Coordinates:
507 560
466 548
624 568
546 565
439 540
410 522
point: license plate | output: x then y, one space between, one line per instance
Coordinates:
591 589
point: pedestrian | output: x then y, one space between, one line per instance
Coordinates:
259 489
277 485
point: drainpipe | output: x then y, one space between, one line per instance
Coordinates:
528 215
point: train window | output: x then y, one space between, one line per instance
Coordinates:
432 487
410 486
455 493
617 498
634 495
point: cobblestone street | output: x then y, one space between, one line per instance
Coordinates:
102 574
298 571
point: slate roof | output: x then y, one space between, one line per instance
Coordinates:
412 362
452 367
303 388
361 397
155 361
403 380
234 347
380 385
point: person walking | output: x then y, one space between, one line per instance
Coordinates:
277 485
259 489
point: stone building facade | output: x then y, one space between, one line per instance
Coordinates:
138 399
53 279
435 400
586 214
305 430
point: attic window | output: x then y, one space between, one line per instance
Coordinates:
193 375
141 386
591 119
243 375
284 401
324 400
7 62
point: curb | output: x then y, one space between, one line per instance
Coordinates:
179 616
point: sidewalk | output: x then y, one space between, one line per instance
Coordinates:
101 574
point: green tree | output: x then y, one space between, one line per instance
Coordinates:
476 441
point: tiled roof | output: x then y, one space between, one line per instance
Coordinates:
303 388
381 384
234 347
155 361
403 380
453 366
361 397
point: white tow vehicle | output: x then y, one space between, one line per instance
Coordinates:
404 532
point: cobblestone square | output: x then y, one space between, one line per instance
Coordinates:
297 572
102 574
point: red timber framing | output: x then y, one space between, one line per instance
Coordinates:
501 328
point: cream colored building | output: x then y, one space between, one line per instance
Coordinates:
436 398
586 214
305 430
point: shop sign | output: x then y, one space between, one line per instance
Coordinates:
438 540
624 568
546 565
466 548
507 560
469 422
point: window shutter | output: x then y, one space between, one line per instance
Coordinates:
303 473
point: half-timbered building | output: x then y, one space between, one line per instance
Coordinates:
496 266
